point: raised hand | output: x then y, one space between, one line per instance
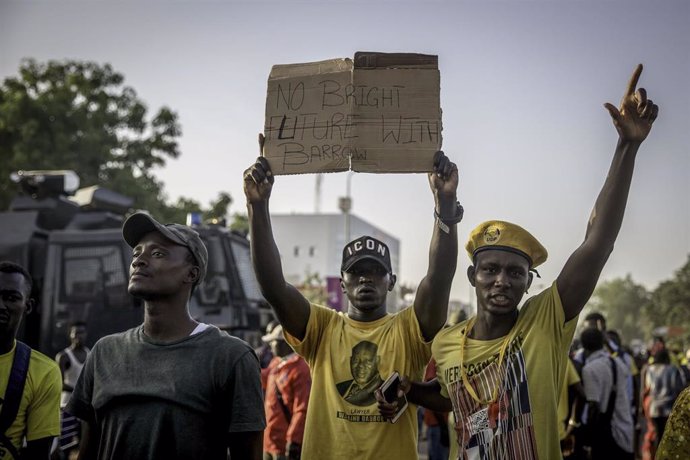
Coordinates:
258 178
444 179
633 120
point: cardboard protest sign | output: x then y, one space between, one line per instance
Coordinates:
380 113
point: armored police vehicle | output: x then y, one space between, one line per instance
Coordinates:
70 240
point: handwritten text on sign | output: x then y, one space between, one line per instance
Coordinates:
327 116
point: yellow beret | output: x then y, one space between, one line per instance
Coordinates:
497 234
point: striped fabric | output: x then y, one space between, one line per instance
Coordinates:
504 430
70 431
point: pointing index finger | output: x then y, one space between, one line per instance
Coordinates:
632 84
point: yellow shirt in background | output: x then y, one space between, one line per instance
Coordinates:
524 423
348 360
39 410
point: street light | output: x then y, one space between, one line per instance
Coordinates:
345 205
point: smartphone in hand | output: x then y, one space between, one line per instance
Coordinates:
389 389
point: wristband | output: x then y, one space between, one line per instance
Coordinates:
445 223
574 424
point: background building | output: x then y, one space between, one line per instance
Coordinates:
311 249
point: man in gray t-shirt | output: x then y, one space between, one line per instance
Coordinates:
609 421
172 387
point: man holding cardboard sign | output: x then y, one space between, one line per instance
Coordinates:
347 351
502 370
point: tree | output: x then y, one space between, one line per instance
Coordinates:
670 304
216 211
622 302
80 116
314 288
240 224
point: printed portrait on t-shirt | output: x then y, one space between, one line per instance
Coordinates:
364 367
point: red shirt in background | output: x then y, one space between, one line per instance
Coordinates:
291 377
430 418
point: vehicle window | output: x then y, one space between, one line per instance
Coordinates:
243 261
215 289
94 274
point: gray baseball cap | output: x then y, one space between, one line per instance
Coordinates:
139 224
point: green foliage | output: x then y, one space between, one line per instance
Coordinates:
314 288
219 209
636 312
80 116
240 224
216 211
622 302
670 305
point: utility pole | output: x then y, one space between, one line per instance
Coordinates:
317 194
345 205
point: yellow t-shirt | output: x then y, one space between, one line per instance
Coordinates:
571 378
348 360
524 423
39 411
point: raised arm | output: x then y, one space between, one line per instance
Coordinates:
431 300
290 307
633 121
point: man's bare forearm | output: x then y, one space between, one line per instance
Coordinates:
290 307
428 394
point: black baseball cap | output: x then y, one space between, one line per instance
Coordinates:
366 247
139 224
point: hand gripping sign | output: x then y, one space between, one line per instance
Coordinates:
380 113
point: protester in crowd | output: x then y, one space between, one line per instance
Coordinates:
71 361
266 357
614 345
658 344
663 383
503 369
30 382
570 404
437 434
609 421
348 426
651 438
675 444
171 387
287 396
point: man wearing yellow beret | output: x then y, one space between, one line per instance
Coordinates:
501 371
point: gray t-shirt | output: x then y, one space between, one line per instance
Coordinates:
597 379
174 400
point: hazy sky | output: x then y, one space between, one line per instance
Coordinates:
522 88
